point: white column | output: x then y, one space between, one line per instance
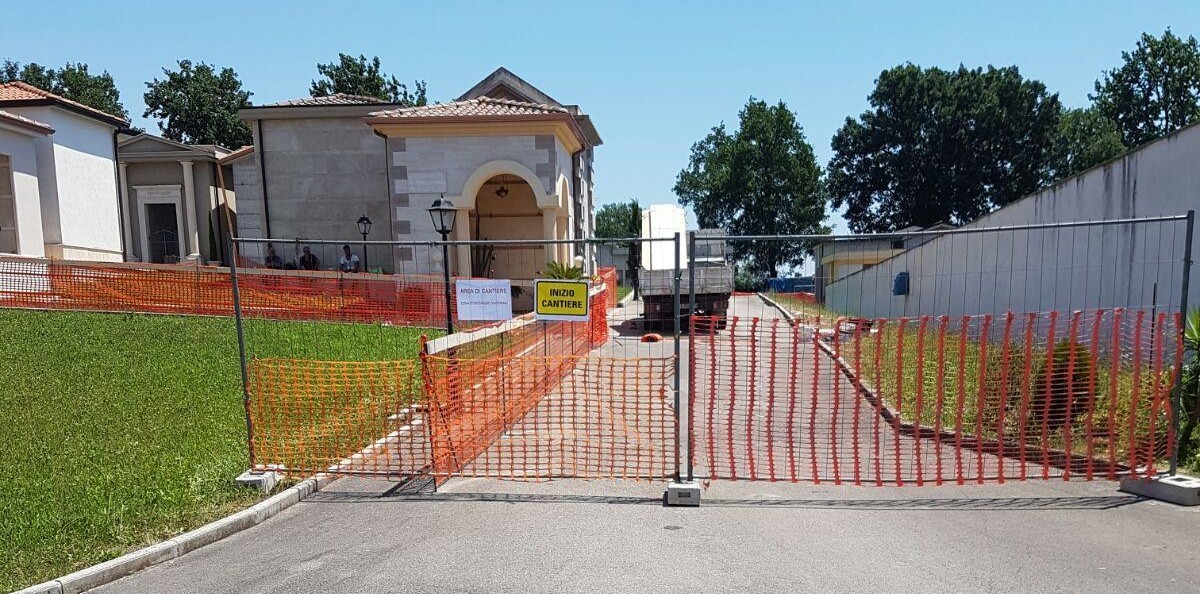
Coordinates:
462 232
564 249
126 212
189 209
550 231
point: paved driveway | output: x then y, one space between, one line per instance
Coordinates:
603 536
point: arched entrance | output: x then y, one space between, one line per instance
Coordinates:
505 209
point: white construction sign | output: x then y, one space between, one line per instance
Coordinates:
487 300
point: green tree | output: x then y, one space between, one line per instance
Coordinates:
760 179
1155 91
72 81
199 105
1085 138
619 221
362 77
941 145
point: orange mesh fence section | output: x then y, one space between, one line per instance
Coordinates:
547 417
598 322
934 400
608 276
444 413
360 418
408 300
534 402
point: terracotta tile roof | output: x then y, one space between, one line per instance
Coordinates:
18 92
24 122
334 99
238 154
480 106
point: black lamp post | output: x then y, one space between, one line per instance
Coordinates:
364 227
442 212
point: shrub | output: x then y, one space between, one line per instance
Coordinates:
747 280
558 270
1063 377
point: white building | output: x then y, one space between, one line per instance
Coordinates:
58 177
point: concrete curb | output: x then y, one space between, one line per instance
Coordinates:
787 315
114 569
625 300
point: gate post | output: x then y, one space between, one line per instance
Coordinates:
234 254
691 428
680 492
264 481
1177 401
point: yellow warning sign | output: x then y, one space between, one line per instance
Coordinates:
560 300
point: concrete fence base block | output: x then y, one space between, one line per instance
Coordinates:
264 481
1178 489
103 573
683 494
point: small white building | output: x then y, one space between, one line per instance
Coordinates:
58 177
173 204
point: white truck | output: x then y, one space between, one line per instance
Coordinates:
656 278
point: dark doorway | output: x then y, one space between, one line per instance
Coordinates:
162 227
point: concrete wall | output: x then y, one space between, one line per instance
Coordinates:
1057 269
322 175
24 207
247 185
80 207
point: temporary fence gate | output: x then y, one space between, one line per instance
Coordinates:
518 399
928 373
969 355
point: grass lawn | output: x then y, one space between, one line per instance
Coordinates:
123 430
622 291
805 310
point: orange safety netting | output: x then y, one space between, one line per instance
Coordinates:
546 417
526 400
608 276
410 300
341 417
934 400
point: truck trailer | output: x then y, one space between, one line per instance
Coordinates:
656 278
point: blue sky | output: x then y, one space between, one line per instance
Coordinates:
655 76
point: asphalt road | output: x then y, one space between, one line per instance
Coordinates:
479 535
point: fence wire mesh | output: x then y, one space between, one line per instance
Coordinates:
520 399
897 367
933 400
948 356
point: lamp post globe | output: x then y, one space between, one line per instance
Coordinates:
442 213
364 227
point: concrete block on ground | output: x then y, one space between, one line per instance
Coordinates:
1178 489
264 481
683 494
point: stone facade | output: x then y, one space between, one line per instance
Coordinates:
319 164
